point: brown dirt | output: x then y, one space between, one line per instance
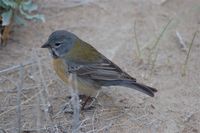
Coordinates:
109 26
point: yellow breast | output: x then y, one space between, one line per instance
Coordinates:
60 69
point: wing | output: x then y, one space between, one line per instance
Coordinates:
103 72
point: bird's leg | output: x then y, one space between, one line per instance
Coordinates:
68 107
86 100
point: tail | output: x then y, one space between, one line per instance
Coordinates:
131 84
140 87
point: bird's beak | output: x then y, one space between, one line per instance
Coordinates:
46 45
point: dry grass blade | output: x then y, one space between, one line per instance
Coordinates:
153 51
75 103
188 54
137 43
181 41
161 34
19 88
16 67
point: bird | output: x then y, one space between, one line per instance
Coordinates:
71 55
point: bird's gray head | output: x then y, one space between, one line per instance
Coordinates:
60 42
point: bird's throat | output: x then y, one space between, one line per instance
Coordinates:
53 53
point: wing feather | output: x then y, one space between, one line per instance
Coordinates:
102 72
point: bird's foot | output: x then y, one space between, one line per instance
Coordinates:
86 103
91 107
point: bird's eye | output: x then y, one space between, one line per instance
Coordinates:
57 44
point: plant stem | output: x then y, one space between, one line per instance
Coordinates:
188 54
161 34
137 43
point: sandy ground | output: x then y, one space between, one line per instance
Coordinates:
113 27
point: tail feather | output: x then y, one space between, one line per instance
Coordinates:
151 88
142 88
131 84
